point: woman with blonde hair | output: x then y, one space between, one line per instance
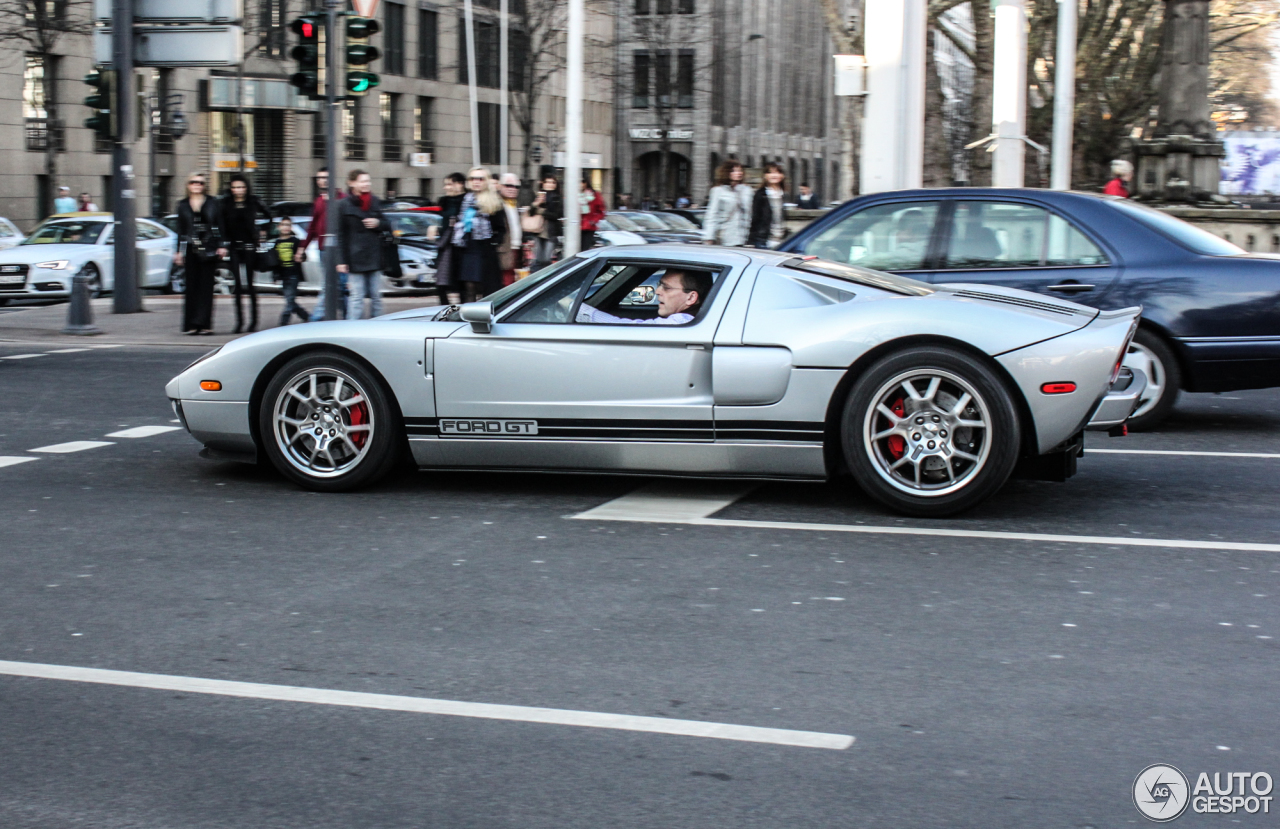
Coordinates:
728 217
200 246
477 232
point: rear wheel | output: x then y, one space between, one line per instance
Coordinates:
930 431
1153 357
328 424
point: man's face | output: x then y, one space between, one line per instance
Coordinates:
804 191
363 184
672 297
510 186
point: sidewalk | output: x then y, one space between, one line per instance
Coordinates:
160 324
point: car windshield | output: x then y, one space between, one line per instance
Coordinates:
676 222
645 221
66 233
622 221
414 224
1184 233
862 276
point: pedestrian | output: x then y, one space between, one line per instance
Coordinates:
768 217
548 206
86 204
511 252
199 249
728 217
360 228
455 188
239 213
808 199
593 210
288 256
624 201
1121 175
318 232
682 202
478 230
64 203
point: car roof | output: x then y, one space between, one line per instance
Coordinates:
996 192
691 253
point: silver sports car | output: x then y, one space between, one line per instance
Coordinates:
672 360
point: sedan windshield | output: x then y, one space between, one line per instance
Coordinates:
66 233
645 221
676 222
422 225
1184 233
622 221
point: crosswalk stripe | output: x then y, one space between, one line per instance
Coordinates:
21 356
143 431
10 460
71 446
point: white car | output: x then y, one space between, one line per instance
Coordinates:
44 264
9 234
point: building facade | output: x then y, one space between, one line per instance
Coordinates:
249 119
711 80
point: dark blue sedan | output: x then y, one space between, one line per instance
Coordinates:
1211 312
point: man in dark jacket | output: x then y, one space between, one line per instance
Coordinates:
360 227
808 199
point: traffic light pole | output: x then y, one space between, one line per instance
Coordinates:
125 297
333 42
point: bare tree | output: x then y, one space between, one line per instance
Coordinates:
36 28
536 56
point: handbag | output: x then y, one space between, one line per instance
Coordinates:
266 261
533 223
389 256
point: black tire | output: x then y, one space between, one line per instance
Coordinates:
956 466
351 462
1150 353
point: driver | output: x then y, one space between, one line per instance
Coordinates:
680 295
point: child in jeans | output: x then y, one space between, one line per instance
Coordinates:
289 256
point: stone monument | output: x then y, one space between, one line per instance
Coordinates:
1180 162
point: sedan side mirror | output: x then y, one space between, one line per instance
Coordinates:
479 314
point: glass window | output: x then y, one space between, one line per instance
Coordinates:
66 233
860 276
889 237
622 221
640 81
996 235
629 293
1068 246
643 221
420 225
556 304
428 39
393 39
1188 235
149 231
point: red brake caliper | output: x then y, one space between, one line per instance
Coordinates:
897 446
359 417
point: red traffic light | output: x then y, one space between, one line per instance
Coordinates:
308 28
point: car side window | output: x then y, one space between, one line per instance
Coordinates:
887 237
5 231
554 305
1068 246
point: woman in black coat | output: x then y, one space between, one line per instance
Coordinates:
548 204
768 222
199 248
477 232
239 212
455 185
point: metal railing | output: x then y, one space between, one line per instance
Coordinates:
355 149
392 149
38 134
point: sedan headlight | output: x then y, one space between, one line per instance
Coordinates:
55 265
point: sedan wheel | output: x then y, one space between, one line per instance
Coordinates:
327 424
1153 357
930 432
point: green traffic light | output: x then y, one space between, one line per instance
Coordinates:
358 83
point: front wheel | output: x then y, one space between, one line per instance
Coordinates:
930 431
328 424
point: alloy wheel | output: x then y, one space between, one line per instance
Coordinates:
323 422
1149 363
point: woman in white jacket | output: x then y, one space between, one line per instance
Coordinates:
728 217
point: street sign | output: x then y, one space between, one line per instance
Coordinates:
419 159
177 46
176 11
365 8
851 75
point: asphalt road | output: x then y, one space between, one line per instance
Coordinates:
989 682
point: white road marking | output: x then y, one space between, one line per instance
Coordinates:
72 446
21 356
10 460
422 705
142 431
650 506
67 350
107 345
1179 452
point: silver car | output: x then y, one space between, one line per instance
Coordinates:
785 367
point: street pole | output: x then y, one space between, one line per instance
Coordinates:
893 113
473 98
504 61
125 298
1064 95
154 191
573 132
1009 94
332 289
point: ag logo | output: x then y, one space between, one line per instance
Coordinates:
1161 793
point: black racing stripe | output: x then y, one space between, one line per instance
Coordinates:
673 430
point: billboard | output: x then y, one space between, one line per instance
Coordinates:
1252 164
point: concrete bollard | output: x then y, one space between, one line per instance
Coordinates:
79 311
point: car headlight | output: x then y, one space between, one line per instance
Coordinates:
55 265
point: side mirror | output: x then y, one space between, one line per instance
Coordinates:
479 314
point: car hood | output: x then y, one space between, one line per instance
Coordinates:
30 254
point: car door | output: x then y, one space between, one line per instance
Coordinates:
541 389
897 236
154 241
1021 245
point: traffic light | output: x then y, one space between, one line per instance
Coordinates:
102 101
309 54
360 54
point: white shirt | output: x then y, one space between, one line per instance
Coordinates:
514 238
588 314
